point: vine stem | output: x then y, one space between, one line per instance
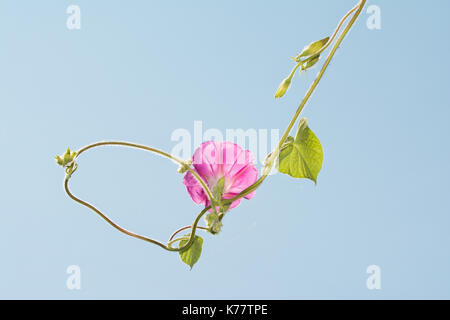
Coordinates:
129 233
359 5
185 228
112 223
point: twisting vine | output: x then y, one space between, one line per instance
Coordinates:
219 184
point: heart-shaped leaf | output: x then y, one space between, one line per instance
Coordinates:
302 156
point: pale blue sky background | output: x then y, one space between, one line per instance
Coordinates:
138 70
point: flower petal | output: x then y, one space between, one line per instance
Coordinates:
243 179
206 160
250 195
234 159
194 189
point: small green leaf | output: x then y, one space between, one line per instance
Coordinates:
302 157
312 48
191 255
67 158
59 160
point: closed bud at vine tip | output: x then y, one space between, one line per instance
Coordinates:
66 158
284 86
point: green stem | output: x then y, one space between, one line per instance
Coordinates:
359 5
193 229
291 75
112 223
169 244
185 228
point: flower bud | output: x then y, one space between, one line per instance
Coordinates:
312 48
66 159
284 86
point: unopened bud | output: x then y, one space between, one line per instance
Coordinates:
284 86
66 158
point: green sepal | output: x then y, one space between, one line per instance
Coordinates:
218 190
311 62
213 222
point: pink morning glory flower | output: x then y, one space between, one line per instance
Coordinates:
216 160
